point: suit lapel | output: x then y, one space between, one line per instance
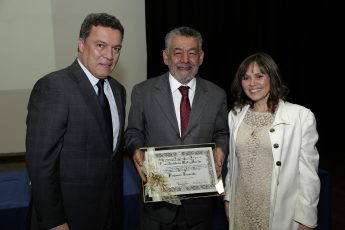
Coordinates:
199 102
162 94
120 109
89 95
118 101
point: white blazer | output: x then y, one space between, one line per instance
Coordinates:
295 184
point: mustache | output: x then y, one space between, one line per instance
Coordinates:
185 65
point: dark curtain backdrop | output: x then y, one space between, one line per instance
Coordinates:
302 36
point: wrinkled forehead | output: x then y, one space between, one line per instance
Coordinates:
184 43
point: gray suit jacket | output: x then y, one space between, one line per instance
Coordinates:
75 176
152 122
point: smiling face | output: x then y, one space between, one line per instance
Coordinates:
100 51
256 85
183 58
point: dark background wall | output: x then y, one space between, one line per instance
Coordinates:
304 38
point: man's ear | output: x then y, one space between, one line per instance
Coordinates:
201 58
165 57
81 44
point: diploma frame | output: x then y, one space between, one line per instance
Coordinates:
188 171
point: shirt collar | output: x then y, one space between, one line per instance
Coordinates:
94 80
174 84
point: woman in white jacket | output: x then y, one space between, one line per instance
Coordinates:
272 180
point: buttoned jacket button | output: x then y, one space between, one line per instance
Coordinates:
275 146
272 130
278 163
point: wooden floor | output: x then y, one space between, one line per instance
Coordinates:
334 167
12 163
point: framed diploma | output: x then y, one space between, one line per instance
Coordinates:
180 172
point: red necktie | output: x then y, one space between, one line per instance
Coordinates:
184 109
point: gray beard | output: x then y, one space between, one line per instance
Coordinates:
183 81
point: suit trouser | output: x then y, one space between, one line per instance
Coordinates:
179 223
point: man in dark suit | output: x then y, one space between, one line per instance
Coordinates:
74 163
154 120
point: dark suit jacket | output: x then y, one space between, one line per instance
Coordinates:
75 176
152 122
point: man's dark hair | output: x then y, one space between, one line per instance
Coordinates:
99 19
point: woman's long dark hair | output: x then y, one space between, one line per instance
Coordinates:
278 90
